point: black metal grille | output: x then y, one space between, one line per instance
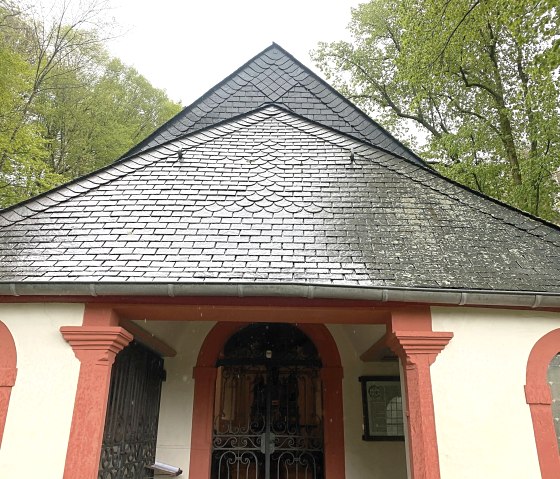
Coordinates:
129 439
268 421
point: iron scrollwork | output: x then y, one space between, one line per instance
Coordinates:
129 438
268 422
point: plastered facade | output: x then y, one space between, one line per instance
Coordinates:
42 400
483 422
176 407
375 460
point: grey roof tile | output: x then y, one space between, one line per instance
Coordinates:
274 197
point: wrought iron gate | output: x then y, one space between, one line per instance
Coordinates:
268 422
129 438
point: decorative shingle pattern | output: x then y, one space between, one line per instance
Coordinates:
274 76
272 197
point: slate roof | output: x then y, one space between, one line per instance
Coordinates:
274 76
274 197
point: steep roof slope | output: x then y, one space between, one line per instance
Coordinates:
274 76
273 197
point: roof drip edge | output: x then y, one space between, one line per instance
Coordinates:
462 297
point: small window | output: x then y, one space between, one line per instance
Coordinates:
383 411
553 377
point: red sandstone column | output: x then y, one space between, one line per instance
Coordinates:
417 351
333 422
202 421
96 348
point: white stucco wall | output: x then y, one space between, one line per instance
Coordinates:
364 459
42 400
483 423
176 407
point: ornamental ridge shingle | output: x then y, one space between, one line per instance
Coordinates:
275 76
272 197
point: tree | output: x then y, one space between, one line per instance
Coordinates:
66 107
22 169
479 77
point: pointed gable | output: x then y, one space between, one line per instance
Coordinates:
274 76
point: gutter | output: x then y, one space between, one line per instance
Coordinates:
458 297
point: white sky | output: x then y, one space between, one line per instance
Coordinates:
186 47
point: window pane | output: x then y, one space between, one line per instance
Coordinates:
554 381
383 411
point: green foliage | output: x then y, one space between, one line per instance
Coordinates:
66 107
480 77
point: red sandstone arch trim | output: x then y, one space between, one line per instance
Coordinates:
205 382
8 372
539 399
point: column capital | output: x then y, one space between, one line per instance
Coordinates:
99 344
410 346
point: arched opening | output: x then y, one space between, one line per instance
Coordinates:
290 380
268 414
541 392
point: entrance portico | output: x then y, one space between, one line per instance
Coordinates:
316 319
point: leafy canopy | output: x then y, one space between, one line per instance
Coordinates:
66 106
478 78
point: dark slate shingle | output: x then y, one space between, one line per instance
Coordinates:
275 76
274 197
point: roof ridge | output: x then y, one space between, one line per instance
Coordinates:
11 214
436 175
198 100
343 98
247 74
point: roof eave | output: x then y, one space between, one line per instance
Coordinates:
440 296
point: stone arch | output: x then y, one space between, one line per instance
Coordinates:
205 382
539 399
8 371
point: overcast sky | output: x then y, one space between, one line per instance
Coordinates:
186 46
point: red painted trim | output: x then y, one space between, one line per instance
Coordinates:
205 384
539 399
333 422
8 372
239 313
95 344
202 421
417 347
